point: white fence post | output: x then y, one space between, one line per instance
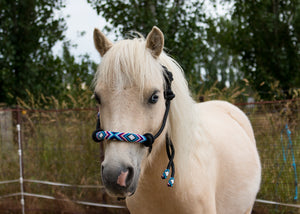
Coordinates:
21 168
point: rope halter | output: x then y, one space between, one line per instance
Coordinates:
146 139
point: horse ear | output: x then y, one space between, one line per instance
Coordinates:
155 42
102 43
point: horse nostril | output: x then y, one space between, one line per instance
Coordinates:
121 181
129 176
125 177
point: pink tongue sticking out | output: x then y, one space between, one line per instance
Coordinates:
122 179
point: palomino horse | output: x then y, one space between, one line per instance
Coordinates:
210 145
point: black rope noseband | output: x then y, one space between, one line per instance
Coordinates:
146 139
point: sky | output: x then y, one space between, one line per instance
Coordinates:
80 16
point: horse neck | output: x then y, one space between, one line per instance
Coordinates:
158 160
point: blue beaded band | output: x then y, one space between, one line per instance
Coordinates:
120 136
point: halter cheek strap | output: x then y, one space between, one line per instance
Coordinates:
146 139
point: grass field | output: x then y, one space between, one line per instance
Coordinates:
278 175
57 147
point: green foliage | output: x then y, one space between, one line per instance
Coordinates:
265 34
28 32
76 76
259 42
180 21
222 64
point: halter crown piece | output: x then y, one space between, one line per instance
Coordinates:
146 139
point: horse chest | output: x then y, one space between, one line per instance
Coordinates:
158 203
156 197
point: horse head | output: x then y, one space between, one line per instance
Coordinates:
130 87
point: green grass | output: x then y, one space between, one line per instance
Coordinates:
57 146
278 179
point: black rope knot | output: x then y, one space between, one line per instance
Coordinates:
150 140
94 135
169 94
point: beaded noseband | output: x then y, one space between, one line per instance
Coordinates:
146 139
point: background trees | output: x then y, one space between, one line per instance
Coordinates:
265 34
181 22
259 41
28 31
257 44
27 34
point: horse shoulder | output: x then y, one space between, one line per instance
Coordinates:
228 130
232 111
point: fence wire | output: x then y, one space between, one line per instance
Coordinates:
279 153
59 167
61 164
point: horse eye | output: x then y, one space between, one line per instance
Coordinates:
154 98
97 98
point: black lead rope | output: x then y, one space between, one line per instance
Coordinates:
171 154
146 139
98 125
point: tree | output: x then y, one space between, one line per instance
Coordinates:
77 76
28 31
222 65
181 22
265 34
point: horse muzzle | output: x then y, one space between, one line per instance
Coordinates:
120 180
